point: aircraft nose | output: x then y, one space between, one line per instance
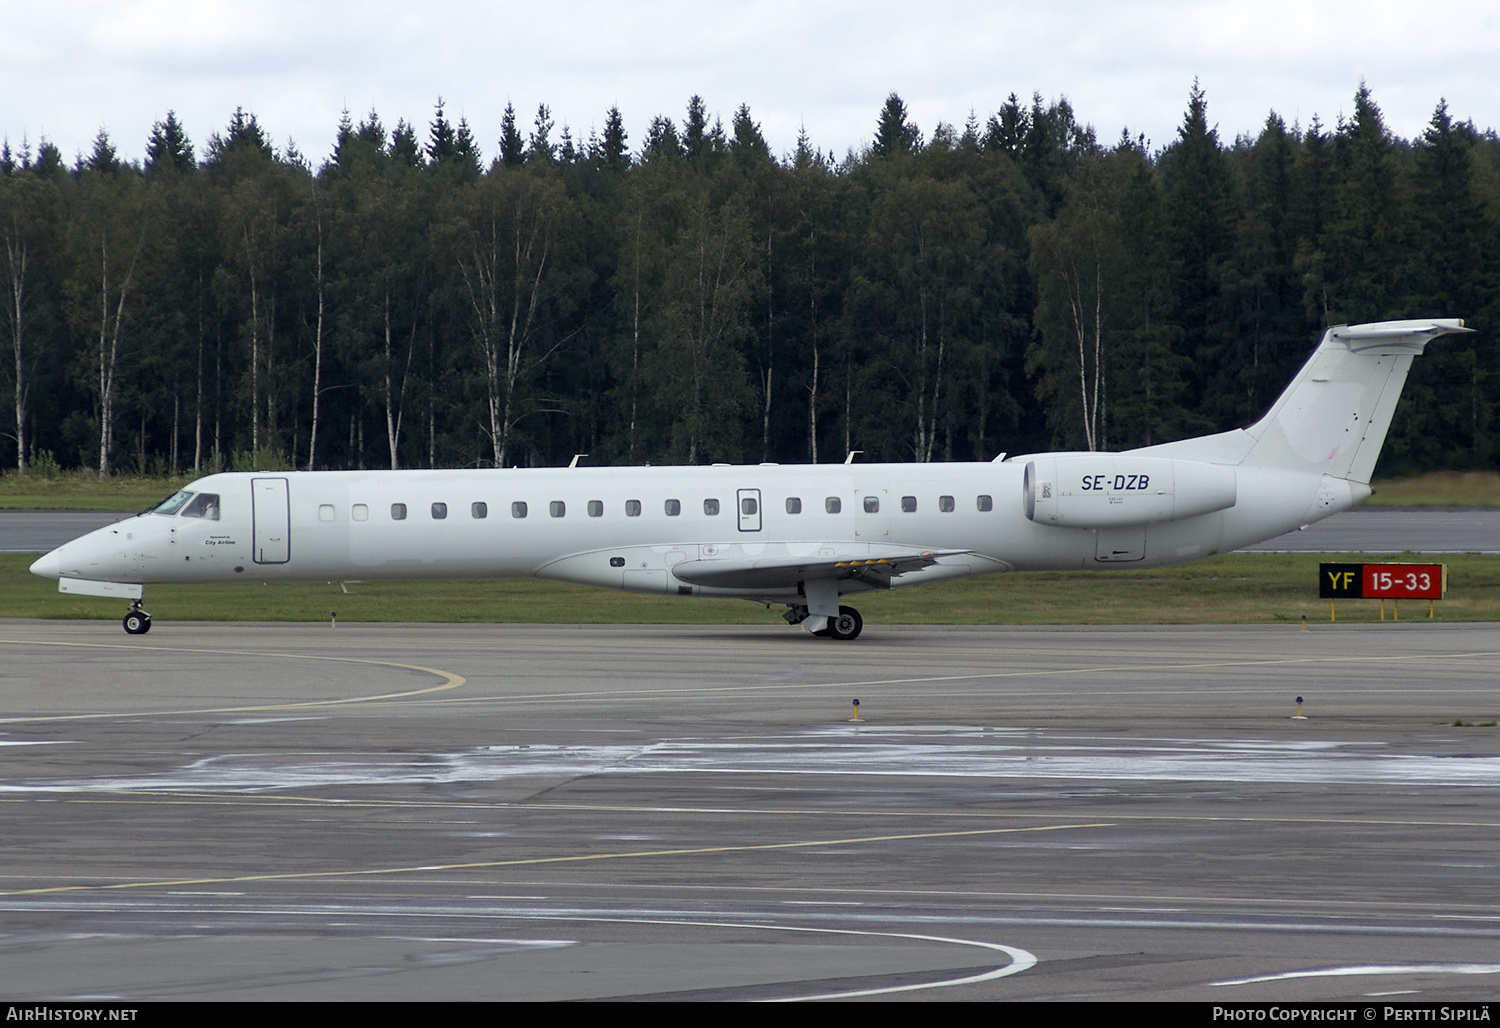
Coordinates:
49 565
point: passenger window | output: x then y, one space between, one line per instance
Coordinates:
398 512
479 511
673 508
833 505
794 505
518 509
206 506
596 508
872 505
945 504
632 508
908 504
711 507
557 508
439 511
986 503
748 505
325 512
360 512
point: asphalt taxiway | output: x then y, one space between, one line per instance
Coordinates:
385 812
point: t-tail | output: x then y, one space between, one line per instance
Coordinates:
1333 417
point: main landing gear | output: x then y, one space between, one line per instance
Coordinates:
137 622
846 626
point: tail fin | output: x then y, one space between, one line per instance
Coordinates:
1334 416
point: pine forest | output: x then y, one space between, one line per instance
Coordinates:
1012 284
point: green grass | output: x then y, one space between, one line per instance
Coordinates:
1248 588
1439 489
83 490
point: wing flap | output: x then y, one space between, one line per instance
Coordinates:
781 572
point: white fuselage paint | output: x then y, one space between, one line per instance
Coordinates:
323 540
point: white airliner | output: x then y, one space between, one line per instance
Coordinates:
800 535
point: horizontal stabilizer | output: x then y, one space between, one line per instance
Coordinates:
1395 336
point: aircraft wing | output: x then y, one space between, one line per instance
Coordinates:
781 571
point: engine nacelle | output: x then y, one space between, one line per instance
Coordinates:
1110 490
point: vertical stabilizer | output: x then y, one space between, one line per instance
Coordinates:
1334 416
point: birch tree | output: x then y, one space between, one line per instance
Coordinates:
106 241
507 236
28 227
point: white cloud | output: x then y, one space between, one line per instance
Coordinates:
72 67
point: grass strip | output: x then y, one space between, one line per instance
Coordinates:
1237 588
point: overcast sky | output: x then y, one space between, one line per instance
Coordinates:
72 67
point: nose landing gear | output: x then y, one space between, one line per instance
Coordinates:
137 622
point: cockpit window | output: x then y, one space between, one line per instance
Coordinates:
170 506
204 505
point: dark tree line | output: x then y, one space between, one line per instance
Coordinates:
1011 284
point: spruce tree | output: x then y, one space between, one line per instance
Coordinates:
616 158
894 136
169 147
539 148
748 145
512 146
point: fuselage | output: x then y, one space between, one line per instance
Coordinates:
627 528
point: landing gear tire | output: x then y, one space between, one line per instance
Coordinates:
137 622
846 626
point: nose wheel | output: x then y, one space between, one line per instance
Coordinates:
137 622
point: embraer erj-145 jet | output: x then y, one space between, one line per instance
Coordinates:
801 535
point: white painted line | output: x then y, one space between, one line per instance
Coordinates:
1369 969
1020 960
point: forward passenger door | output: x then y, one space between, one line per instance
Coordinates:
271 513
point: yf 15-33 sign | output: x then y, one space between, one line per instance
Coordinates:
1382 581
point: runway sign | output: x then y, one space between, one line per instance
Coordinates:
1382 581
